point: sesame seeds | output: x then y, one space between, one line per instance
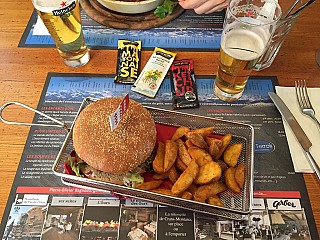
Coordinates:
128 146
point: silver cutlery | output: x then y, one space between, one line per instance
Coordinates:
286 14
304 101
294 4
297 131
303 7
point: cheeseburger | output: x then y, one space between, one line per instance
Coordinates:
108 155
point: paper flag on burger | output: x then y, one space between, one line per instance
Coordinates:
117 115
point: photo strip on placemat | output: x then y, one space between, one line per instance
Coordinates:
63 218
289 224
26 217
138 220
101 219
254 226
19 221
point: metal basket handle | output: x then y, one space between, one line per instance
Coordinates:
59 124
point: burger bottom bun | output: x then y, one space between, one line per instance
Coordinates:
95 174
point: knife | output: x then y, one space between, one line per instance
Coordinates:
297 130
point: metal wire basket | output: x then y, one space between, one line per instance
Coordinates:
236 205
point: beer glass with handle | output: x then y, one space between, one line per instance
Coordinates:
63 21
248 26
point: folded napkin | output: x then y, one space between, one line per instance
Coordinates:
300 161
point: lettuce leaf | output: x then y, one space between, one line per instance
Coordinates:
75 165
132 179
165 9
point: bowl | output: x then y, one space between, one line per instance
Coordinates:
131 7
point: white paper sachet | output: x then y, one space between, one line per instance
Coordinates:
154 72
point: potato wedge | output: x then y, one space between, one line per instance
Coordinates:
229 177
232 154
149 185
222 164
192 170
203 131
205 191
197 140
180 132
182 184
188 143
239 175
226 139
192 188
164 192
161 176
170 155
159 159
210 140
215 200
208 172
213 149
186 178
167 184
173 174
200 155
187 195
183 152
180 165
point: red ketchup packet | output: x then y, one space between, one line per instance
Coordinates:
183 84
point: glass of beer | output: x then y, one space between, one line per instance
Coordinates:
282 30
248 26
63 21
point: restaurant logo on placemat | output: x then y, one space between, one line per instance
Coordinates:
263 147
283 204
31 199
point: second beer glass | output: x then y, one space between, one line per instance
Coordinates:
248 26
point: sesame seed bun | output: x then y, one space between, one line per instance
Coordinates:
120 151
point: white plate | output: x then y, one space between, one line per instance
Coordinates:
131 7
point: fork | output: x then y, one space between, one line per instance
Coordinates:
304 101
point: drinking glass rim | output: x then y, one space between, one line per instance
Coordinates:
256 25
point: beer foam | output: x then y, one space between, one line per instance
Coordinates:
47 6
243 44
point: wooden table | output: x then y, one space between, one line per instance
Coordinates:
23 72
